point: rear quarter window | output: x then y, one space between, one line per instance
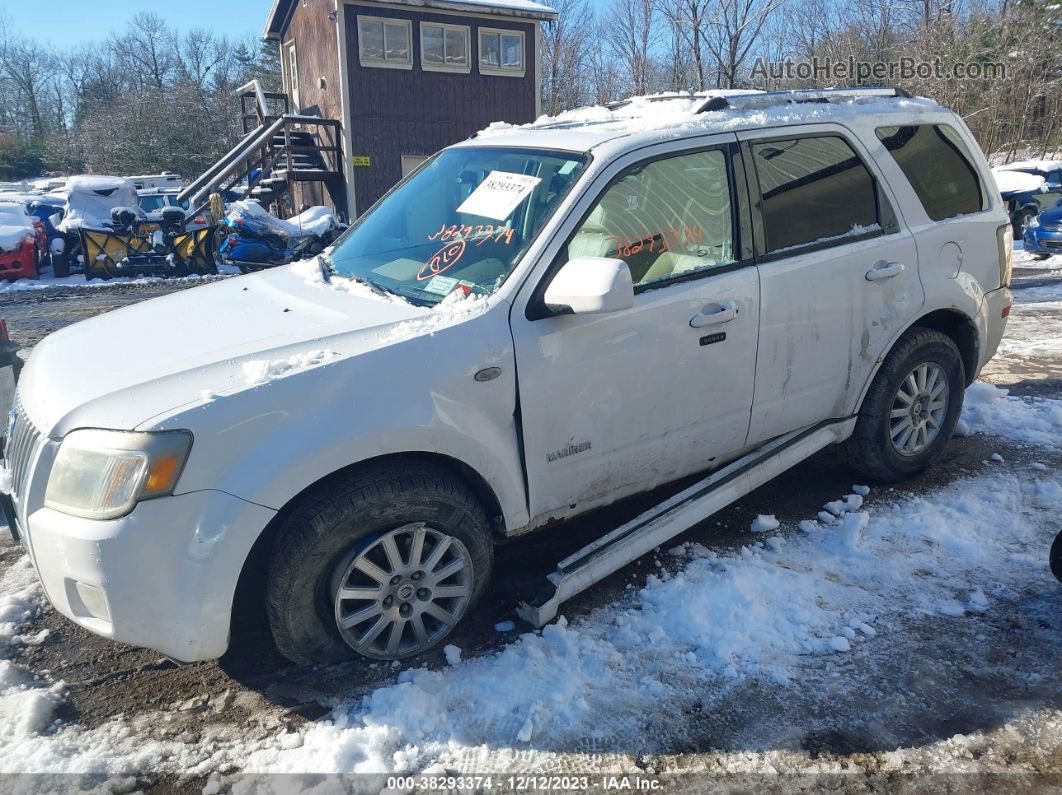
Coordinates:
937 164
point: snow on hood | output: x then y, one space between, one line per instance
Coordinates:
90 199
1016 181
175 348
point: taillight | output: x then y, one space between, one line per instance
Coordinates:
1005 242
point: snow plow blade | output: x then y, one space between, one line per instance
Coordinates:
676 514
195 249
104 249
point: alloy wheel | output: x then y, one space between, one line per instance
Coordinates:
919 409
403 592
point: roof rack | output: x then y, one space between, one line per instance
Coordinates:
767 99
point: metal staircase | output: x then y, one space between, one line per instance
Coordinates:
278 150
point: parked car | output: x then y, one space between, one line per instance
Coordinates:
167 179
23 242
89 201
152 201
49 210
539 321
1026 198
1043 233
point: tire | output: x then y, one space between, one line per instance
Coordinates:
60 264
871 448
1021 220
328 537
1056 557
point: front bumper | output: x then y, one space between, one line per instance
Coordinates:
162 577
1040 240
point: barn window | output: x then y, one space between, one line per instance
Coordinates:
385 42
443 48
501 52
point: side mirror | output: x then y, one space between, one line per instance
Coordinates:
590 285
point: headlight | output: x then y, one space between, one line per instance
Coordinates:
101 474
1034 222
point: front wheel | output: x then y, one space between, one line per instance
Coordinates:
911 409
383 563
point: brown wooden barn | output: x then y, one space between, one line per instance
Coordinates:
405 78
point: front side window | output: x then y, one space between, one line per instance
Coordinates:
814 191
501 52
443 48
458 225
384 42
937 164
666 218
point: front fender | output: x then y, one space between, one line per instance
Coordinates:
268 443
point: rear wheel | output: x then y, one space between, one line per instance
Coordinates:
60 264
911 408
382 563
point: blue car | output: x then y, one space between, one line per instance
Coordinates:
1043 234
1025 205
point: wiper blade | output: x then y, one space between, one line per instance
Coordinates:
324 267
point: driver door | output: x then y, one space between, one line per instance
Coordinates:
615 404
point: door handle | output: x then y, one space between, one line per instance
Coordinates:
714 315
884 270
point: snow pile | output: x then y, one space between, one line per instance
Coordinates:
26 708
47 283
89 200
766 611
314 221
261 371
455 308
989 409
1016 181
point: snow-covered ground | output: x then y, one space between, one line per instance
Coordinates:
707 664
47 281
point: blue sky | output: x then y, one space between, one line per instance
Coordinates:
65 23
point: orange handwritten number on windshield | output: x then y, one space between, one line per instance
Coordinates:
443 259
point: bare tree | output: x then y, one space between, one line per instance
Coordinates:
565 46
631 36
733 28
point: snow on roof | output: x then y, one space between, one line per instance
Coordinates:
679 117
1016 181
279 13
1039 165
94 182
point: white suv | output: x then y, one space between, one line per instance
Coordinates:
537 322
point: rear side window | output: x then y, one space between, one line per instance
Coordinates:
814 190
937 164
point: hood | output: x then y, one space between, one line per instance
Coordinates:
1052 215
122 368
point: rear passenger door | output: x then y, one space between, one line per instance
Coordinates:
838 275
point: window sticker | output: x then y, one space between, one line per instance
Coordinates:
440 285
499 195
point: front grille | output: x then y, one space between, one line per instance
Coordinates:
1051 227
1051 243
23 438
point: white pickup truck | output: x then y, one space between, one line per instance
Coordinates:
537 322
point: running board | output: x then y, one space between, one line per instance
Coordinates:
676 514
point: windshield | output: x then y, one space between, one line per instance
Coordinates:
151 203
462 222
